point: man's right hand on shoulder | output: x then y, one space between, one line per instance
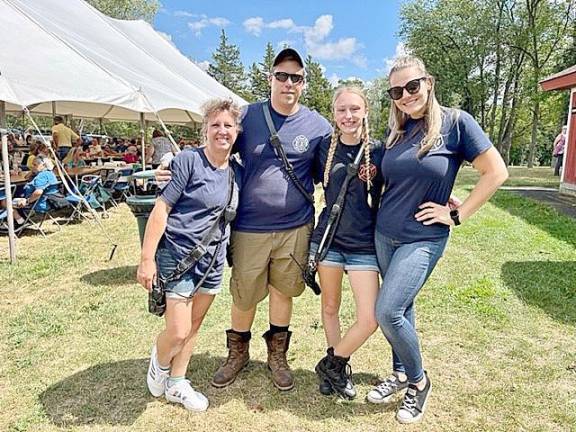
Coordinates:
162 174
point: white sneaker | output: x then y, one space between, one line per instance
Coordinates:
156 377
182 392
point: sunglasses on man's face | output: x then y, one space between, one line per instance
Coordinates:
283 77
412 87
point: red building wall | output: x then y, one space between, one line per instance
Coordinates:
570 161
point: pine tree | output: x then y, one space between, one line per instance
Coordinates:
259 86
318 92
226 67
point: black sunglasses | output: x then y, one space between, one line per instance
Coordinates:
283 77
412 87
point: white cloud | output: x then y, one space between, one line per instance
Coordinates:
321 29
341 49
286 23
254 25
334 79
315 38
203 65
185 14
400 50
198 26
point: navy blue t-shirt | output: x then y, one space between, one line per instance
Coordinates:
197 193
410 181
269 201
355 231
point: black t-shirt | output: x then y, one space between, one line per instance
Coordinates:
355 231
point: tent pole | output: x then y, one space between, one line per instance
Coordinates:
143 136
7 185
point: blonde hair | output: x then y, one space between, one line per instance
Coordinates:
216 106
365 137
432 114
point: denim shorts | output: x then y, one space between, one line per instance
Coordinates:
186 286
347 261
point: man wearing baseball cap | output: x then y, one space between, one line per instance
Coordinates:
275 218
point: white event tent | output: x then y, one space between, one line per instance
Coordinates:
95 66
65 57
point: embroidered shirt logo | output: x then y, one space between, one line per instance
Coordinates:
438 144
367 174
300 143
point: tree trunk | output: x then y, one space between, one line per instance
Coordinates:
534 134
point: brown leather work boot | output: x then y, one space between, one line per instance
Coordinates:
277 346
238 357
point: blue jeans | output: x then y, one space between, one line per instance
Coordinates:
404 267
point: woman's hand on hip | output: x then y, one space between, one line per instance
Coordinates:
146 273
431 212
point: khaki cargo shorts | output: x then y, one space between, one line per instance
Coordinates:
262 259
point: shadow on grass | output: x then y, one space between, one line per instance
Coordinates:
543 216
111 276
548 285
116 394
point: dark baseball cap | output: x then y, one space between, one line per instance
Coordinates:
288 54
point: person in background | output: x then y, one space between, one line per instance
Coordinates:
75 157
558 152
42 183
95 149
131 155
161 145
62 137
425 148
121 146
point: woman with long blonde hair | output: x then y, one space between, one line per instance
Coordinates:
352 248
425 148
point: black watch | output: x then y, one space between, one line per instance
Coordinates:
455 215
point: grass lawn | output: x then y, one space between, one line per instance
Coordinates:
497 320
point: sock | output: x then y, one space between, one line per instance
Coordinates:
20 221
245 335
278 329
173 380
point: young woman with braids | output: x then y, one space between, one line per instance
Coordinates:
352 249
425 148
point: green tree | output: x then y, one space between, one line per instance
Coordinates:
258 75
227 68
127 9
318 92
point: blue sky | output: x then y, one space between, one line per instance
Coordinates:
349 38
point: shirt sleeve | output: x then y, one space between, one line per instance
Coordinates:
182 167
41 181
320 159
473 140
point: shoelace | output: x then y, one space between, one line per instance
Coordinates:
387 386
409 403
348 374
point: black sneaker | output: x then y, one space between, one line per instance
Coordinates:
384 391
414 403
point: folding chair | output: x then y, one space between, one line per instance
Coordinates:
34 212
109 184
89 190
123 183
